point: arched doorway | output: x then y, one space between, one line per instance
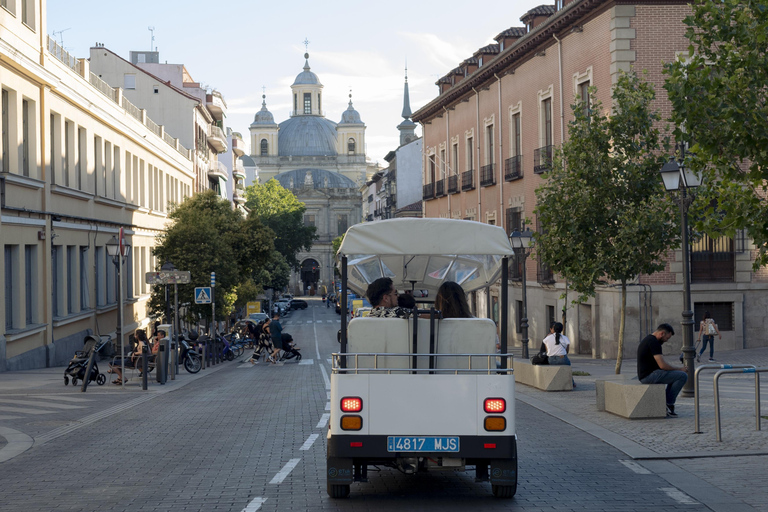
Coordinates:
310 274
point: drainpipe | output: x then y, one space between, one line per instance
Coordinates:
502 217
447 159
560 66
477 154
423 167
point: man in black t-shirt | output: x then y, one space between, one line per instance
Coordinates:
653 369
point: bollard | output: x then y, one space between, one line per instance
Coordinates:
171 360
160 364
144 366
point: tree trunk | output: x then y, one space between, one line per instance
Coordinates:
565 304
622 322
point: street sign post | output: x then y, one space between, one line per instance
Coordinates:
168 277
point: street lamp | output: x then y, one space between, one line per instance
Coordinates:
678 178
119 251
522 243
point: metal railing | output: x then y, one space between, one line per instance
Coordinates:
102 86
217 132
468 180
429 191
488 364
453 184
757 372
487 175
440 188
696 425
542 159
513 168
131 108
63 55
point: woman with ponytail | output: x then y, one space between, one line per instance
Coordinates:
557 345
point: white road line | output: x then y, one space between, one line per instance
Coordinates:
325 377
328 394
328 406
310 321
323 421
634 466
62 398
280 476
24 410
317 342
330 321
307 361
309 442
255 505
678 495
40 404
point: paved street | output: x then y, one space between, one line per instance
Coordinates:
240 437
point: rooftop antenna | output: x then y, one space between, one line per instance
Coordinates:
61 38
152 42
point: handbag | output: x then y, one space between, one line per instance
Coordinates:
540 358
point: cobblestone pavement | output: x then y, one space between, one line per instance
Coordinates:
246 438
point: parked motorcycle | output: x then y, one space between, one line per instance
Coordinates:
188 356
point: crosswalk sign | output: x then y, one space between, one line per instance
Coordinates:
203 295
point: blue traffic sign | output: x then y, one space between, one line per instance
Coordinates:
203 295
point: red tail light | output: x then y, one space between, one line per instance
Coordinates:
351 404
495 405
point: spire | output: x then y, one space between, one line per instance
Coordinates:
306 62
406 99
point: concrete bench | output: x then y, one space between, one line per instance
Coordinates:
544 377
629 398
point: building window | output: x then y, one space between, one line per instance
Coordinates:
69 150
489 144
264 147
309 219
82 148
721 313
454 158
52 155
109 278
4 164
25 153
128 268
470 154
351 146
129 82
585 99
342 223
296 103
432 169
28 13
307 103
515 135
10 253
546 107
550 315
72 265
56 281
319 107
84 295
101 298
712 260
156 89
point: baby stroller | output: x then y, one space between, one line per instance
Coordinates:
289 351
79 363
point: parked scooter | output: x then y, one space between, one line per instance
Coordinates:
188 356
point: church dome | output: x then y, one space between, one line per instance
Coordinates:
320 178
306 77
350 116
307 136
263 116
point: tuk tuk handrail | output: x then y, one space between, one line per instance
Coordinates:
340 365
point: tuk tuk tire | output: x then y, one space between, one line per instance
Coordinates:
101 379
504 491
336 491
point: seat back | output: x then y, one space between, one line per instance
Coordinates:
381 336
465 336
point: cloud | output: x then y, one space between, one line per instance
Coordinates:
441 53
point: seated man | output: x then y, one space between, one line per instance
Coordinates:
383 297
135 356
653 369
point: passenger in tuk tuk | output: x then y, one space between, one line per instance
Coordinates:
383 297
451 301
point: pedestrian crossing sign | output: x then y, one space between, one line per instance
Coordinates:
203 295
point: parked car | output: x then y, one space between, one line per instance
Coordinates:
284 305
298 304
258 317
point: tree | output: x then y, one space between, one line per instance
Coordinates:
719 95
279 210
603 212
206 235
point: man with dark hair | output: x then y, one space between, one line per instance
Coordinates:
653 369
383 297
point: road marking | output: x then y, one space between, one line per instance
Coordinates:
325 377
280 476
328 394
246 365
255 505
62 398
5 417
310 321
331 321
40 404
307 361
634 466
17 442
327 406
678 495
323 420
23 410
317 342
330 361
309 442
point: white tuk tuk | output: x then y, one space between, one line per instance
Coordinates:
423 394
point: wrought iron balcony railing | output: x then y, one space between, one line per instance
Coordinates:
513 168
542 159
487 175
468 180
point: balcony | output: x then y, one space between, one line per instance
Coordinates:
239 171
440 188
513 168
487 175
429 191
239 197
218 171
217 139
542 159
238 146
468 180
453 184
216 105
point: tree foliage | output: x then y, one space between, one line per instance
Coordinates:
206 235
719 95
603 211
282 212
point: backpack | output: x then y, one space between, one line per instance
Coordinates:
711 327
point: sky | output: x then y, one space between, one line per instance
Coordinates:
241 46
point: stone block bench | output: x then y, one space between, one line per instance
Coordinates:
629 398
544 377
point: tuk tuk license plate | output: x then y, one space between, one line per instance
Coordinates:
422 444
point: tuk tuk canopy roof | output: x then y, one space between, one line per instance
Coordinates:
420 254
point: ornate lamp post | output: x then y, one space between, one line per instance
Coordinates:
119 251
678 178
522 243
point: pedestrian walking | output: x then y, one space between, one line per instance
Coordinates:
708 328
276 331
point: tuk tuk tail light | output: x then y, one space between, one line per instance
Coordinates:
495 405
495 423
351 404
351 422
